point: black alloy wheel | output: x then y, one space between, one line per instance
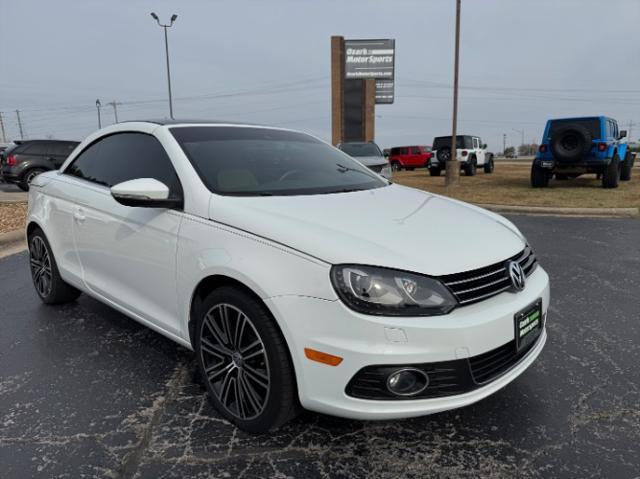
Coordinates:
244 361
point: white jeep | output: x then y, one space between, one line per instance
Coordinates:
470 152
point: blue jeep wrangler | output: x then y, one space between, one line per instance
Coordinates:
571 147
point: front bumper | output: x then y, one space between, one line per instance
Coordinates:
363 340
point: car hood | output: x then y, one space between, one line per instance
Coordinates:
371 160
392 226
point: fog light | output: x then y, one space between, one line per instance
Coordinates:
407 382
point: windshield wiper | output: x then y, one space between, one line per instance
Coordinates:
344 169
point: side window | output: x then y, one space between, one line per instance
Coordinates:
126 156
404 151
615 129
35 148
394 151
61 149
476 143
415 150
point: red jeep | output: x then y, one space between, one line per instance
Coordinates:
409 157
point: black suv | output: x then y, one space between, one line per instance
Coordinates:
22 162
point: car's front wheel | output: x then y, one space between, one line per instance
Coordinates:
627 165
489 166
51 288
470 168
435 171
244 361
611 173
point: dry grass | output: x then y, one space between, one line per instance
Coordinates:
12 216
509 185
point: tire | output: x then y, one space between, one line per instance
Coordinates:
28 176
443 154
570 142
470 168
627 164
254 387
396 166
51 288
539 177
489 166
611 173
435 171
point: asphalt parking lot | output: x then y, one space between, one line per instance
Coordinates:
86 392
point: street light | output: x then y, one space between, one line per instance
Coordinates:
166 48
98 105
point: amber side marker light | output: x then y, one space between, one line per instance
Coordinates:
321 357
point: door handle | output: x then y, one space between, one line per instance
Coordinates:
79 216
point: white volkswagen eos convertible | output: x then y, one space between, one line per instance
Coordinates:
298 276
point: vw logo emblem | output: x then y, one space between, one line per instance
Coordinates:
516 275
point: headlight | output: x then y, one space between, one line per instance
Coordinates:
386 171
388 292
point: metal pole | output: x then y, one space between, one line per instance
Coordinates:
4 138
98 108
20 125
453 167
166 47
504 143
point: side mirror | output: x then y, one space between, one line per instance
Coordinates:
144 193
484 146
623 134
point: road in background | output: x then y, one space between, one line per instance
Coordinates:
87 391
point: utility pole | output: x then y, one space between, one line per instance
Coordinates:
504 143
452 176
114 104
166 49
4 138
98 105
20 125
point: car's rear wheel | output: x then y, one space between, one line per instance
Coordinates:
539 176
489 166
435 171
627 164
51 288
28 177
611 173
244 361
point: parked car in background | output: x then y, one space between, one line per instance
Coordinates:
369 155
470 152
290 270
571 147
409 157
25 160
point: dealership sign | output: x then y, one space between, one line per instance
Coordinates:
372 59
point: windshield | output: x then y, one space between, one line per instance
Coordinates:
263 162
360 149
445 142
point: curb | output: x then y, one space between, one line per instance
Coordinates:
11 237
550 211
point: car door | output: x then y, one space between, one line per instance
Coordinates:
127 255
479 151
414 155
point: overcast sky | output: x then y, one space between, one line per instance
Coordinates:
261 61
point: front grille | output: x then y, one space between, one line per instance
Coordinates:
479 284
446 378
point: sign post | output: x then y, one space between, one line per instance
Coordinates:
362 75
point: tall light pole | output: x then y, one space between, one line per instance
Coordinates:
452 176
166 48
98 105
